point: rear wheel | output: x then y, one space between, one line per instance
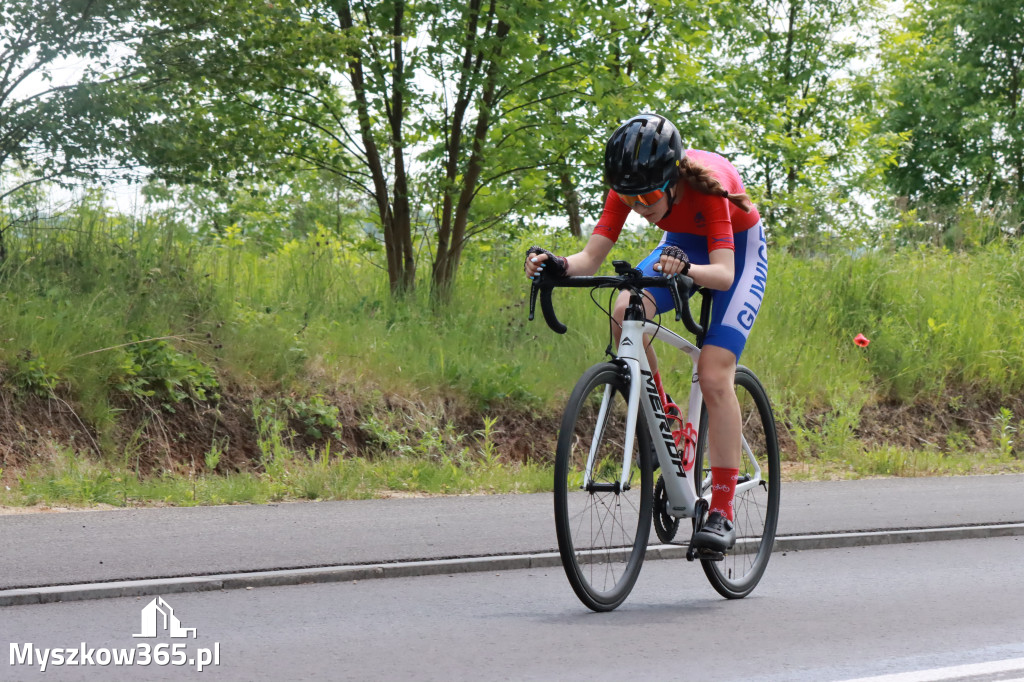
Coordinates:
602 526
756 507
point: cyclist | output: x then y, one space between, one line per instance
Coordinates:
713 233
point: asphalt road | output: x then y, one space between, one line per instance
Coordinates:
817 615
131 544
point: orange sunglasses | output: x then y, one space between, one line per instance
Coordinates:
646 198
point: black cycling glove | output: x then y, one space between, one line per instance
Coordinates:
673 251
554 266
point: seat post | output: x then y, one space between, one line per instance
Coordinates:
705 316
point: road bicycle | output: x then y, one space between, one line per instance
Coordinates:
614 435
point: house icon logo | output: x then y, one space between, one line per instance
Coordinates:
158 617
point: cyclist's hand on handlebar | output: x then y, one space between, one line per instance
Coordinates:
673 261
541 260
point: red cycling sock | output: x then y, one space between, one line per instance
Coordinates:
723 489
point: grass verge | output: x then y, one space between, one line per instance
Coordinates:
68 479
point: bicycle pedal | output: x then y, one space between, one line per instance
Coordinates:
710 555
695 553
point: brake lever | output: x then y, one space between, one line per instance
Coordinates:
677 300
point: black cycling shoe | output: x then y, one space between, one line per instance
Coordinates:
717 535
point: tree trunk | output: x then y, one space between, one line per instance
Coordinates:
396 223
572 204
447 265
403 215
451 239
1015 88
453 147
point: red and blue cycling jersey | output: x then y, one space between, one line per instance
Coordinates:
713 217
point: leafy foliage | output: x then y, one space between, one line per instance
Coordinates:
55 126
956 82
790 100
155 369
31 374
279 324
318 418
475 110
52 126
407 131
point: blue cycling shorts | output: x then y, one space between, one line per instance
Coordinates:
733 311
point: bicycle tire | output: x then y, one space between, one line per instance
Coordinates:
755 511
602 533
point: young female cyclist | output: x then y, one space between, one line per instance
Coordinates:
713 233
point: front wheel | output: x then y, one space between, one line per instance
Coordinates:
602 526
756 506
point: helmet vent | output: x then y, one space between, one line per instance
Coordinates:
642 154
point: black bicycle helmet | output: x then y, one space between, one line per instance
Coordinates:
642 155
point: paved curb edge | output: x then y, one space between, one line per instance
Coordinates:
327 574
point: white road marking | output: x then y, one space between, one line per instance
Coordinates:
957 672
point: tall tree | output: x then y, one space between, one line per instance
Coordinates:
631 57
956 75
55 127
434 111
551 97
802 112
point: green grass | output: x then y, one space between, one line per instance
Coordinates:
891 460
68 478
100 311
937 320
74 480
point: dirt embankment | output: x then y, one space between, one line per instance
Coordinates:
150 439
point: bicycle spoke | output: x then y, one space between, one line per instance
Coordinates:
755 508
602 533
603 515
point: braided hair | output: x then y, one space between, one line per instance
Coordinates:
701 179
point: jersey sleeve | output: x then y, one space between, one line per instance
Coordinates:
719 223
613 217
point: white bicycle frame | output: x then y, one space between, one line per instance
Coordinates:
681 486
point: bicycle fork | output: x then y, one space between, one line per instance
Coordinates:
633 405
630 347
